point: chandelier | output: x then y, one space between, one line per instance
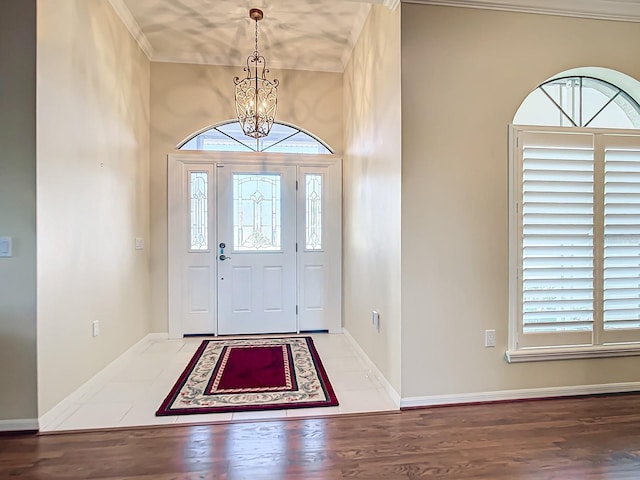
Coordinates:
256 97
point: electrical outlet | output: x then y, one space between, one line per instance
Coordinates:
489 338
96 328
375 320
5 246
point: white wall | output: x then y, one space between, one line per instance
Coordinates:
372 183
18 212
465 72
93 192
186 98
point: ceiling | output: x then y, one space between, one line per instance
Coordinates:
294 34
297 34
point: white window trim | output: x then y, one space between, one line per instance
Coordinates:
537 354
514 354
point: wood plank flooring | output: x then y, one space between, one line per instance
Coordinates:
563 439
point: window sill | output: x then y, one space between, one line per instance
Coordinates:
570 353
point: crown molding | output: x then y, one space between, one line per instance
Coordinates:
134 29
617 10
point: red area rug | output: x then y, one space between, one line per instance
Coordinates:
251 374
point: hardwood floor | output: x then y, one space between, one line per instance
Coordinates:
563 439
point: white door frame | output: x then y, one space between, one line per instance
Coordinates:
179 163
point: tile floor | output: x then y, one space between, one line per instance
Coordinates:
130 390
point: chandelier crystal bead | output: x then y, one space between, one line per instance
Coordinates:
256 97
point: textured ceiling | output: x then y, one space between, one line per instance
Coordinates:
299 34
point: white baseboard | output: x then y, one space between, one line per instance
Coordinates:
524 394
51 419
395 396
19 425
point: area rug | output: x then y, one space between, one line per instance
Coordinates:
251 374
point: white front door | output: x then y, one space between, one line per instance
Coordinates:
256 249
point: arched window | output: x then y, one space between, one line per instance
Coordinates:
574 262
579 101
228 137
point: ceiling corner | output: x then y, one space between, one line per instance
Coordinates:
134 29
356 29
391 4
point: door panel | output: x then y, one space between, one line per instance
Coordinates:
199 289
198 300
272 294
241 279
313 284
256 256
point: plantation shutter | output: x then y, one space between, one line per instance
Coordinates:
557 239
578 199
621 297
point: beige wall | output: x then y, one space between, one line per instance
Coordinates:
372 182
18 211
465 72
186 98
93 195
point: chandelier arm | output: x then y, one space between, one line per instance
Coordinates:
250 60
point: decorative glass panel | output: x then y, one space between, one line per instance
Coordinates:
256 212
313 216
199 210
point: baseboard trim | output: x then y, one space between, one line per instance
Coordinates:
523 394
52 418
395 396
19 425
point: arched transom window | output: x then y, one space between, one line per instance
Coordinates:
228 137
579 101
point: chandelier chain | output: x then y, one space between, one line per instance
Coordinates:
256 37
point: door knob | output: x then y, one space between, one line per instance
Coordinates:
224 257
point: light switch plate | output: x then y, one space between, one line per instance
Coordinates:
5 246
139 243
